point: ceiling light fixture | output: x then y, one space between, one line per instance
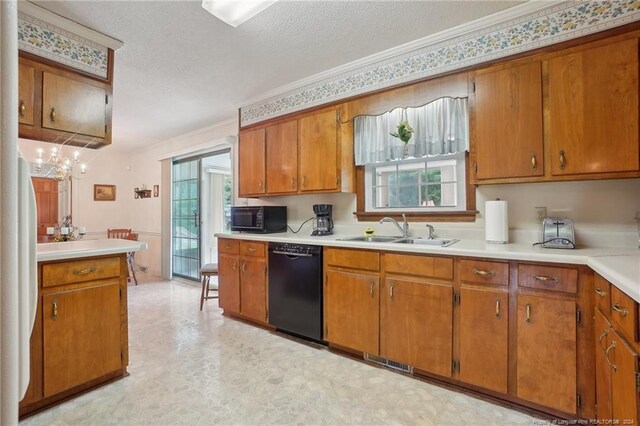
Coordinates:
235 12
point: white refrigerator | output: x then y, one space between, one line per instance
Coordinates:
18 265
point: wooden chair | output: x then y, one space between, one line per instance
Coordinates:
206 272
126 234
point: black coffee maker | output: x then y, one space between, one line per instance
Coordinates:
323 223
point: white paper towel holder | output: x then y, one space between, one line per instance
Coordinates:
498 236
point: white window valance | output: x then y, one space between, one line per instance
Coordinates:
440 127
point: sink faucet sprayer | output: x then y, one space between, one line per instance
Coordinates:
430 233
405 226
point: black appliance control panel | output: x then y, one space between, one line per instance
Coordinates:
294 249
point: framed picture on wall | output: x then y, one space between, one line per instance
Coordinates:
104 192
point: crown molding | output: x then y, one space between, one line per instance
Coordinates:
68 25
518 29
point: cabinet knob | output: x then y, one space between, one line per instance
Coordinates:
600 292
260 184
497 308
22 109
372 287
391 291
563 160
54 309
622 311
534 162
52 115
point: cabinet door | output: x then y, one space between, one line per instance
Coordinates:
352 311
229 282
253 288
73 106
318 145
46 191
251 162
484 337
81 331
282 157
26 82
593 110
546 352
624 390
416 326
509 138
602 331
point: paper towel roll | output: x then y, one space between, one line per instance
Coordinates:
496 221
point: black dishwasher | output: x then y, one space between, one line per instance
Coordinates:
295 289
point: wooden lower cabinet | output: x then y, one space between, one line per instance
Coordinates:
484 337
242 278
229 282
416 326
546 351
81 332
616 359
351 315
80 339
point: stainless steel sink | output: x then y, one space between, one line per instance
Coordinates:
438 242
380 239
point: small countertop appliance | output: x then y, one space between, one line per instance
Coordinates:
323 223
557 232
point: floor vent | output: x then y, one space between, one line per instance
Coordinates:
405 368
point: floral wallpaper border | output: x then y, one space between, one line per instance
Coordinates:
53 43
551 25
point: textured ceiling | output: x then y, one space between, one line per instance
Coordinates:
182 69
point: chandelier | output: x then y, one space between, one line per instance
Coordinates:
61 166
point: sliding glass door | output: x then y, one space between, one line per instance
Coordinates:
186 218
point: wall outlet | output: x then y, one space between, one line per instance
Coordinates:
541 213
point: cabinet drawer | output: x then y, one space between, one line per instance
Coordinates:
602 294
355 259
425 266
252 248
548 278
624 313
54 274
479 272
228 246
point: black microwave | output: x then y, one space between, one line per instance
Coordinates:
259 219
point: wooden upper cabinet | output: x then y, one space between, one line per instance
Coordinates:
282 157
351 310
26 90
593 110
547 352
484 337
251 163
81 331
73 106
508 122
318 151
416 324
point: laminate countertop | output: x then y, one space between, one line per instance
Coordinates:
86 248
621 266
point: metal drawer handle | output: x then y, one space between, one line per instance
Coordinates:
22 109
600 292
563 160
371 287
244 267
483 273
606 355
54 309
252 249
534 162
52 115
604 334
545 278
391 291
497 308
622 311
84 271
235 266
293 183
528 306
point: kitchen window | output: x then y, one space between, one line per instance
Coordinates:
425 176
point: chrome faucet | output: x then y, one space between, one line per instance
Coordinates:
431 231
404 228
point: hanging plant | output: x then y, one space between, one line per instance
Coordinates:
405 131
